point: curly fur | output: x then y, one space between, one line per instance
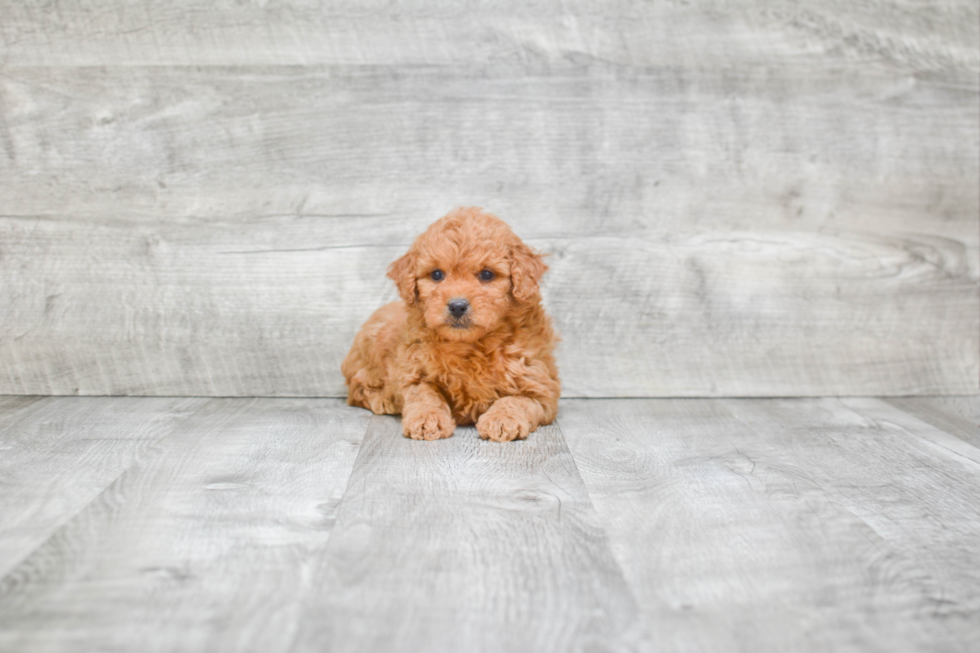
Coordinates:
493 367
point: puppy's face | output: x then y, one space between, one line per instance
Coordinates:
466 273
463 298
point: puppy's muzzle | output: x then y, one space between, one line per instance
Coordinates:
458 307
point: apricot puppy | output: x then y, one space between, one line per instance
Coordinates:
468 343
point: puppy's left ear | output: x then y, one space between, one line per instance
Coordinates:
402 272
527 268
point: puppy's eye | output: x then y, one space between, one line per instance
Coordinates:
487 275
438 275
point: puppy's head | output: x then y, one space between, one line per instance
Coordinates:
466 273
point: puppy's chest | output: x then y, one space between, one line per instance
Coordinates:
475 377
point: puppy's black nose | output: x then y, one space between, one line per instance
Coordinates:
458 307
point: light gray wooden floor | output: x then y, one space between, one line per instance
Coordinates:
182 524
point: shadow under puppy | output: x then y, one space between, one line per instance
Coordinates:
468 344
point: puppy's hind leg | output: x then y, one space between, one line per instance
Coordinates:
373 396
366 366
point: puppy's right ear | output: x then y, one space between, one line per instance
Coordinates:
402 272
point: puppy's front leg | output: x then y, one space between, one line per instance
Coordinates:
512 418
425 414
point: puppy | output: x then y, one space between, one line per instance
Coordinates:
468 343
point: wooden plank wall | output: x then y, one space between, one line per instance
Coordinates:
739 199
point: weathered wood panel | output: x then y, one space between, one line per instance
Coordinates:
217 309
959 416
10 406
687 525
375 32
58 454
221 543
791 525
206 546
589 149
917 487
766 200
466 545
735 294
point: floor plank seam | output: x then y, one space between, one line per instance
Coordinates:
141 459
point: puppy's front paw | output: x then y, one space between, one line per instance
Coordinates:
427 424
501 425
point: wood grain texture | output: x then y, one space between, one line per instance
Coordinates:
195 310
917 487
374 32
959 416
207 545
467 545
823 265
568 150
783 525
661 525
769 199
10 406
58 454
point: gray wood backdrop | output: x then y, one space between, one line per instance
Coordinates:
739 199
